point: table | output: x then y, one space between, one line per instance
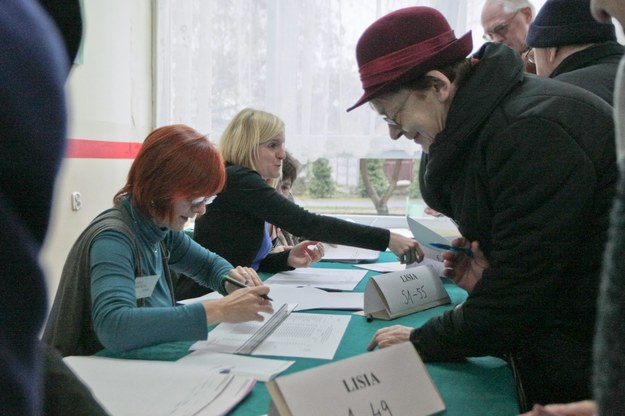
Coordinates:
476 387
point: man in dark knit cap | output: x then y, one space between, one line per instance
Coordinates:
571 46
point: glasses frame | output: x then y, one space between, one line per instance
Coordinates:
501 29
203 200
391 120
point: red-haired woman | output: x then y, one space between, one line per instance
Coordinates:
116 290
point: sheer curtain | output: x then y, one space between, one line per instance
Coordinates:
293 58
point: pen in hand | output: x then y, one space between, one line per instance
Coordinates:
243 285
462 250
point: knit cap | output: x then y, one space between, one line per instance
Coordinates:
567 22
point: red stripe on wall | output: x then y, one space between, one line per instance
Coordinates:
101 149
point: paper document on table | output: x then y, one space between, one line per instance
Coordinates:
396 266
304 335
393 266
208 296
142 387
338 279
305 298
261 369
309 298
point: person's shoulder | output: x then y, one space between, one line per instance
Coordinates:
539 96
238 173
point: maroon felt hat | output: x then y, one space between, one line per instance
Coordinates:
404 45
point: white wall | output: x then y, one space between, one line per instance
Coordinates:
110 97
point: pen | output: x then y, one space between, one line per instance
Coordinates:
242 285
465 251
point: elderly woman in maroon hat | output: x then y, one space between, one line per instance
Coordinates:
526 168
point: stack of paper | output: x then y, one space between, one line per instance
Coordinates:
137 387
260 369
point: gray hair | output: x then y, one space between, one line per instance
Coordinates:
511 6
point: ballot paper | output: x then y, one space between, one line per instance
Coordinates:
425 237
150 388
337 279
305 335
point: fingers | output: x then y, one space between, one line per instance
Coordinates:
260 290
412 254
372 344
247 276
245 304
305 253
406 249
388 336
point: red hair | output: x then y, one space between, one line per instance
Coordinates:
174 162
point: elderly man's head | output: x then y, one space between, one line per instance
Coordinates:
507 21
563 28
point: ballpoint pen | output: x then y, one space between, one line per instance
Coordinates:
465 251
242 285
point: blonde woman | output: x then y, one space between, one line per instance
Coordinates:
236 224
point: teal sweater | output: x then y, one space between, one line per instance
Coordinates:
119 324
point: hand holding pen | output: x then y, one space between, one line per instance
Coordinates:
464 265
242 285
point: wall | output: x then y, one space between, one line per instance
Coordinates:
110 98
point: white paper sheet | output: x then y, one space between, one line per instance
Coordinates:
338 279
261 369
141 387
304 335
309 298
306 298
393 266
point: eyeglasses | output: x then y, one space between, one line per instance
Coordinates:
391 120
501 29
529 54
203 200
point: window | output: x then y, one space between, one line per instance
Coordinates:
297 60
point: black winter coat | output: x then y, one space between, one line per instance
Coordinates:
593 69
526 166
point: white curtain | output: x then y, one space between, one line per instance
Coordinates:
295 58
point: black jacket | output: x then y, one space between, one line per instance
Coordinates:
593 69
234 224
526 166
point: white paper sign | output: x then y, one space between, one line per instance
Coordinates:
386 382
388 296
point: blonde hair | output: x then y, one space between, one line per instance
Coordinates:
245 133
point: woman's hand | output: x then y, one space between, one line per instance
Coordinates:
305 253
245 275
240 306
280 249
406 249
390 335
465 270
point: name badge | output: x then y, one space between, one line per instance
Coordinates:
391 295
144 286
386 382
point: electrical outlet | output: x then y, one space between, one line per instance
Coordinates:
76 201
